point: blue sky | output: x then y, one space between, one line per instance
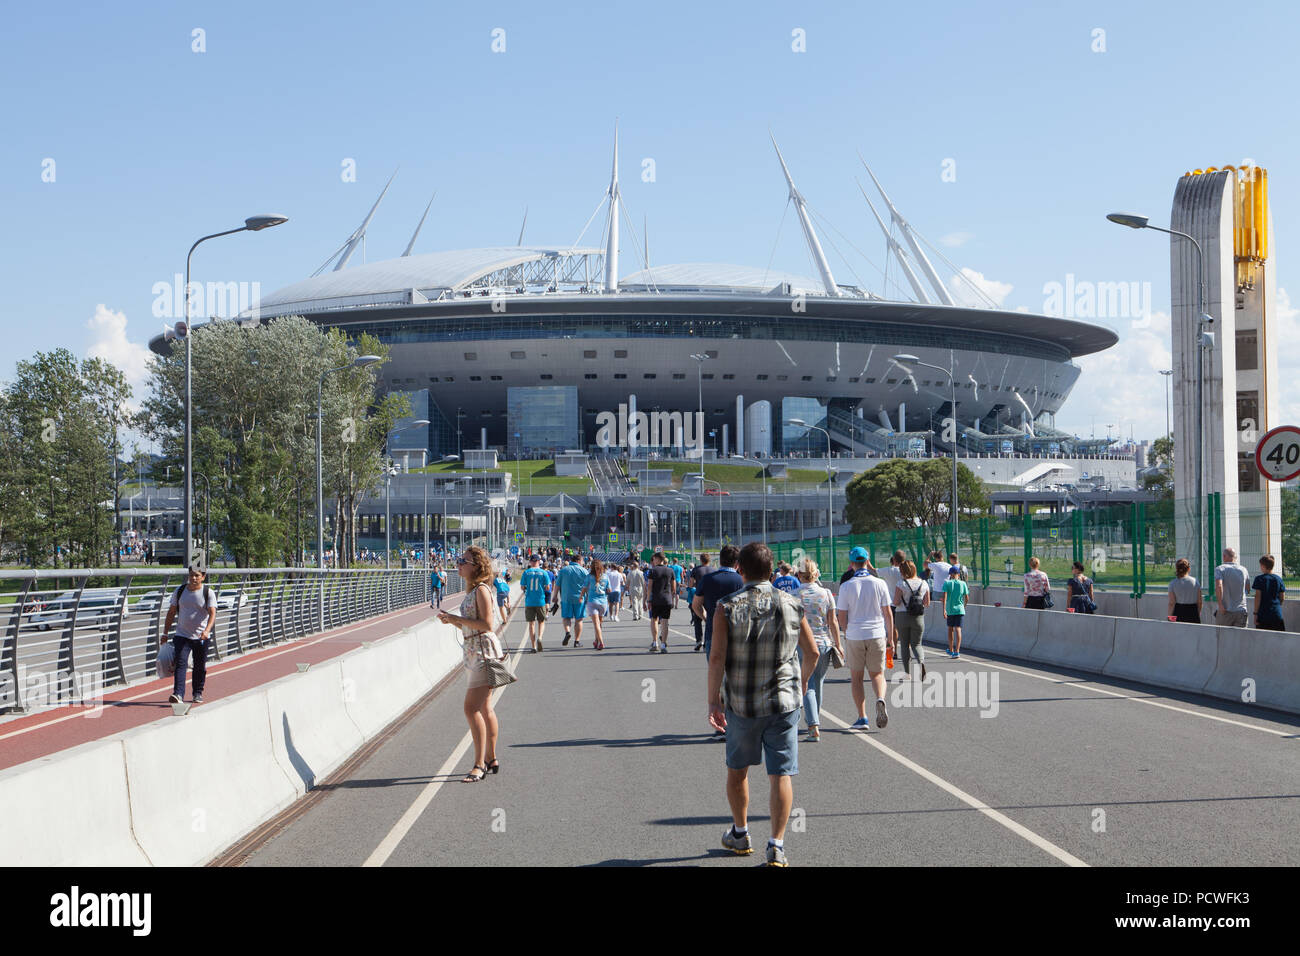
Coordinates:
154 144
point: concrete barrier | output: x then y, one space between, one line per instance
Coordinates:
1111 603
1268 660
69 809
1009 630
311 731
201 782
1085 641
384 680
1181 656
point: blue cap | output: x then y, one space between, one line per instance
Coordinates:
858 554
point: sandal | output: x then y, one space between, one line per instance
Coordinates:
471 778
492 766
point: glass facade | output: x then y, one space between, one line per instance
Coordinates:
542 419
798 437
411 440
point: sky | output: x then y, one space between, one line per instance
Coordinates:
1004 132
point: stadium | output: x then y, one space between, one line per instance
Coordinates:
530 349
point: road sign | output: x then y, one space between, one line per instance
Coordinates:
519 536
1277 456
1053 532
613 539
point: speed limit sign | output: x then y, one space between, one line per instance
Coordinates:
1277 456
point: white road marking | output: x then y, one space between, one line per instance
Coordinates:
1043 844
1141 700
221 668
421 803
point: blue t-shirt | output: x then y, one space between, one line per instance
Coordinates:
787 583
572 579
502 587
535 584
677 572
955 591
1269 586
713 587
597 588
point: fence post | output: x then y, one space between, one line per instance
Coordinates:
1029 539
985 554
1135 542
1077 531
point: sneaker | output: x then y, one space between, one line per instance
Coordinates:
776 855
738 845
197 699
860 724
699 645
956 655
882 716
654 647
539 647
565 642
175 699
663 648
922 672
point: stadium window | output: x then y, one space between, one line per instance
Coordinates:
728 377
450 378
620 374
762 378
678 375
1247 349
471 356
891 381
589 354
519 355
476 378
707 376
712 353
620 353
869 381
782 378
806 378
855 378
496 378
590 375
650 375
433 378
546 375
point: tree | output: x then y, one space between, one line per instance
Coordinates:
254 419
1161 482
902 493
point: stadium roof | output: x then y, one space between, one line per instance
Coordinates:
716 277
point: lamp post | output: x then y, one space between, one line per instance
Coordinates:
690 512
710 481
358 362
763 474
251 224
700 358
459 416
952 381
1167 373
207 516
1201 344
830 485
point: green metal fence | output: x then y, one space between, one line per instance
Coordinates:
1129 547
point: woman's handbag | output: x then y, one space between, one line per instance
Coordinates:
837 658
1047 599
492 659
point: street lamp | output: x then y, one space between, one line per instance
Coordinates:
1167 373
358 362
690 504
1202 343
830 484
952 380
710 481
252 224
700 358
762 473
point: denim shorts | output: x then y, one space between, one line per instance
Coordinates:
954 620
773 739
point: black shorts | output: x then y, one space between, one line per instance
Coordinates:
535 614
660 611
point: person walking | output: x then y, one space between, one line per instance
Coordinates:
536 585
759 633
615 591
819 611
954 606
595 594
1079 590
938 570
1269 591
867 623
662 595
1231 585
1037 587
635 589
713 587
438 582
477 621
911 598
568 585
193 608
1184 594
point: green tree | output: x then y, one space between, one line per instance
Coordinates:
904 493
1161 482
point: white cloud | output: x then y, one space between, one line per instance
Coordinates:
963 294
108 341
1122 386
955 239
1286 318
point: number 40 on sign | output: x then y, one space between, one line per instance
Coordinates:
1277 456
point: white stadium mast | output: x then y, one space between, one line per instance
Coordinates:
801 208
899 254
360 234
411 245
611 250
921 259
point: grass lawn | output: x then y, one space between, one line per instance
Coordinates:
536 477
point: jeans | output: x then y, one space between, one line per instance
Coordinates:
813 699
184 646
699 628
909 628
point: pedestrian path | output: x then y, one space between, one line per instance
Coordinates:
607 759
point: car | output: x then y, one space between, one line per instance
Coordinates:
97 608
148 603
715 491
226 600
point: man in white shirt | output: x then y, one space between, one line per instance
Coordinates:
615 591
893 577
867 623
1231 585
938 569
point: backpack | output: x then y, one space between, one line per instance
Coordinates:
915 605
207 596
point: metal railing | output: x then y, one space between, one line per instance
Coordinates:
103 626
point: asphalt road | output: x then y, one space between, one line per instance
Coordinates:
606 759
